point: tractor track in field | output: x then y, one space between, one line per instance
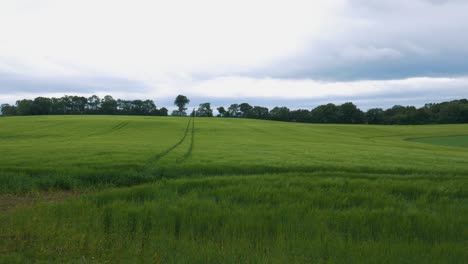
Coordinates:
153 160
111 130
192 139
9 202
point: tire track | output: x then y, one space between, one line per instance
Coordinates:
113 129
153 160
190 149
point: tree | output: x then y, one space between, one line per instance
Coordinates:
136 107
423 116
24 107
124 107
108 105
222 112
41 106
449 113
205 110
178 113
245 110
464 113
280 113
94 102
375 116
348 113
396 115
58 106
149 108
8 110
67 104
325 114
233 110
162 112
433 113
301 115
181 101
260 112
78 104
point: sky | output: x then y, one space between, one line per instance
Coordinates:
375 53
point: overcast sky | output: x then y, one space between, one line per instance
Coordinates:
294 53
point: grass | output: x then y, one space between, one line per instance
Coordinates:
301 218
231 191
70 152
76 152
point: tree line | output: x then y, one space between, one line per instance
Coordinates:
348 113
79 105
453 112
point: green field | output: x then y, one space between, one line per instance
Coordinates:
211 190
451 141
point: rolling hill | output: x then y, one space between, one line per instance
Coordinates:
210 190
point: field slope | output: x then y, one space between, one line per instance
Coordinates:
211 190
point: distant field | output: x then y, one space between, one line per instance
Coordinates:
451 141
73 152
233 191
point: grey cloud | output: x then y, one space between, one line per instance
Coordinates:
11 84
384 40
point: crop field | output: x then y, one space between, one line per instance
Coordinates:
212 190
453 141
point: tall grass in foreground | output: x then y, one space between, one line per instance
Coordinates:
288 218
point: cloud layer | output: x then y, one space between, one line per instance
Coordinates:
384 40
300 52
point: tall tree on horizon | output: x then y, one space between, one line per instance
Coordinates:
181 101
